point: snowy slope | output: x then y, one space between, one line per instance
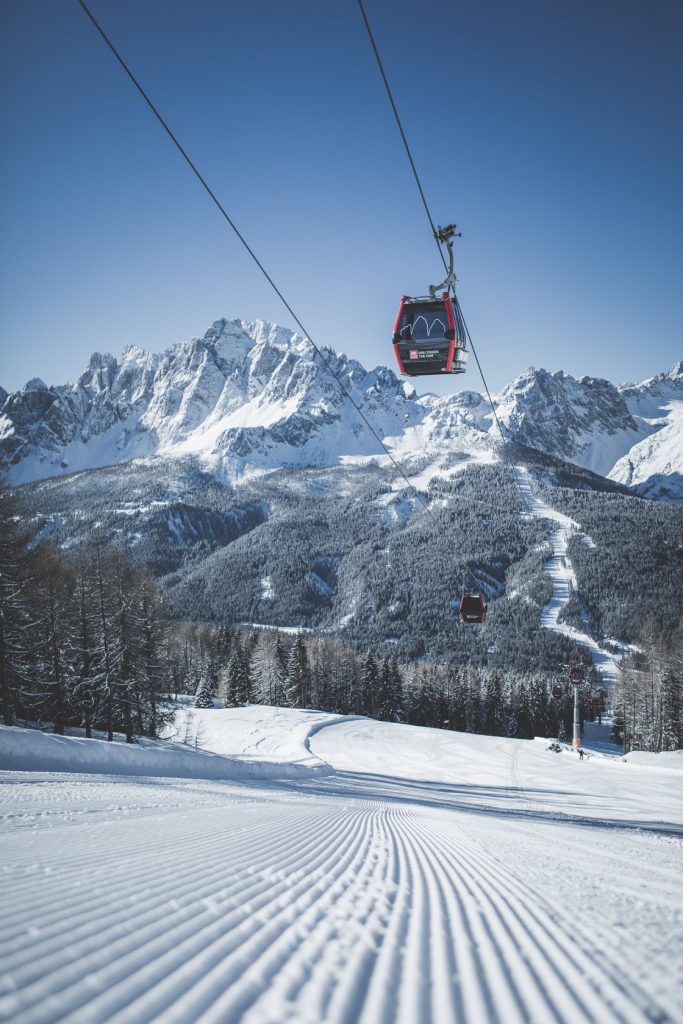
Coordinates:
561 572
654 465
180 758
426 878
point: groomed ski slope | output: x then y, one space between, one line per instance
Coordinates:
561 572
406 875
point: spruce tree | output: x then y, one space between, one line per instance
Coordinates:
397 689
386 701
203 698
234 681
370 685
298 674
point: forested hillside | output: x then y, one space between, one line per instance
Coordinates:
124 585
633 571
343 550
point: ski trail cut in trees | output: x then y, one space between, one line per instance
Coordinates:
561 573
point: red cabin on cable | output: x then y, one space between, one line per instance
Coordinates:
473 609
577 674
430 333
429 336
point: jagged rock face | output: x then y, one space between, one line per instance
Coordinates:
555 413
631 433
244 394
251 396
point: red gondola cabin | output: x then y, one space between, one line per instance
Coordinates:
429 336
473 608
577 674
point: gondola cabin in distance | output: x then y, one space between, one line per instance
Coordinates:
473 609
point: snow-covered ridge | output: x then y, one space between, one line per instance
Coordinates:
632 433
253 396
246 396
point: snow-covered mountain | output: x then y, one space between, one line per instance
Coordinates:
246 395
252 396
632 433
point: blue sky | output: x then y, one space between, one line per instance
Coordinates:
548 129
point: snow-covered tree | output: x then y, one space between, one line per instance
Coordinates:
203 697
298 674
370 685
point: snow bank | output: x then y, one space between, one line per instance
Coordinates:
256 733
667 759
33 751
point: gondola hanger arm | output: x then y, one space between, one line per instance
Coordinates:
445 236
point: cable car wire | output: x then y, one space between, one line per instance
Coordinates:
251 252
403 134
409 154
326 363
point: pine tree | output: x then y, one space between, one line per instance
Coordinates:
16 619
386 699
525 725
298 674
85 695
397 688
370 685
247 648
472 700
280 659
670 699
455 699
153 669
203 697
234 681
104 640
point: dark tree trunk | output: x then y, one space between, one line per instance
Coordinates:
7 713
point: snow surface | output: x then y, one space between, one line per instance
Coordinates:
561 572
407 875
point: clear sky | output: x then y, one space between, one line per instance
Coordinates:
549 130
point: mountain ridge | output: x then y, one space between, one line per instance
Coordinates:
250 396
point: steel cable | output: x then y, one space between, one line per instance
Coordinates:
409 154
251 252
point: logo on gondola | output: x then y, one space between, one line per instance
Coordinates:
413 354
428 326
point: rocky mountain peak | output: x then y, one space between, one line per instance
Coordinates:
35 384
251 395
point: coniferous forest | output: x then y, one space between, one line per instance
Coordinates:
87 642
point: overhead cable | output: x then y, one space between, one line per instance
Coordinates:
251 252
409 154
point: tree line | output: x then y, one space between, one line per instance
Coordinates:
87 641
648 698
245 666
83 640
